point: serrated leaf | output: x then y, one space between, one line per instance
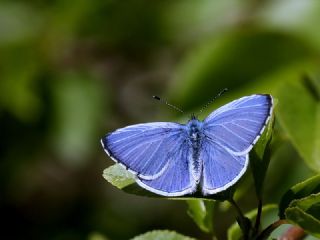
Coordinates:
162 235
201 212
305 213
299 115
235 233
299 191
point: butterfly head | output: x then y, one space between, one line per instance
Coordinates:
193 117
194 127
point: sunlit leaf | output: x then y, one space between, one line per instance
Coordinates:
118 176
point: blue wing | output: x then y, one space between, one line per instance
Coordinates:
221 169
238 125
177 180
229 134
156 153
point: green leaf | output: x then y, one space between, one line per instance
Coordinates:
260 157
305 212
298 112
202 213
118 176
298 191
162 235
235 233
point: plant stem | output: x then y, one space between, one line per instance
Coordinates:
266 232
233 203
258 218
243 220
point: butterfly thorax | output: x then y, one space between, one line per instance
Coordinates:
194 130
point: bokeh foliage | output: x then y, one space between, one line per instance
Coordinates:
70 71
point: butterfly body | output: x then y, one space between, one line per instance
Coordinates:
174 159
194 138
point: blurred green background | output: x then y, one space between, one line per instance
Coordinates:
71 71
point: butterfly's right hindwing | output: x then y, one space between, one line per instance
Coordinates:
177 179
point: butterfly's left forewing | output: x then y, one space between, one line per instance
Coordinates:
156 153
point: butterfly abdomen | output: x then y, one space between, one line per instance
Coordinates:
194 129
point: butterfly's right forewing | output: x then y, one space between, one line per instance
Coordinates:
142 148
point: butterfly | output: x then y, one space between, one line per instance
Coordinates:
172 159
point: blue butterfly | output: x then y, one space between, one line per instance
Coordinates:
173 159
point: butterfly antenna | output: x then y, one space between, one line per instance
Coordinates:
168 104
211 101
